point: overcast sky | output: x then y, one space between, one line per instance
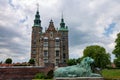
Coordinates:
90 22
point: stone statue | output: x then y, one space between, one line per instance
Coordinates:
80 70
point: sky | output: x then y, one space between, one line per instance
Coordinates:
90 22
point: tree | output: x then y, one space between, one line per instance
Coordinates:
116 51
117 62
98 53
32 61
71 62
79 60
8 61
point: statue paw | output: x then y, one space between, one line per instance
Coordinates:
95 75
71 75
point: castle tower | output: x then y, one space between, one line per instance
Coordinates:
36 41
64 38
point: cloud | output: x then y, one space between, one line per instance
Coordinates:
90 22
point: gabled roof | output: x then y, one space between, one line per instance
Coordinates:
51 26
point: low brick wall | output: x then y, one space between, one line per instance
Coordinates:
22 72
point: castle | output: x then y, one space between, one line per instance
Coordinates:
50 46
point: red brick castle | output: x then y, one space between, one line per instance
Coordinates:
50 46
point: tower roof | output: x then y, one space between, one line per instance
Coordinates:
62 25
37 21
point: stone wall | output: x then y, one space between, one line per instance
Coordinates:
22 72
81 78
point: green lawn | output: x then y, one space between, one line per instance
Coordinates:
111 73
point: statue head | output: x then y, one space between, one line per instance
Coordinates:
88 60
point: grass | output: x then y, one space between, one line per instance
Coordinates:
111 73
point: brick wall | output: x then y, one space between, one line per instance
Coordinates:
22 72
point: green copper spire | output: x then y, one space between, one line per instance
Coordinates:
62 25
37 21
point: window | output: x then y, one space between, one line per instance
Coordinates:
63 47
34 40
45 53
57 53
63 33
34 31
57 61
34 46
34 35
34 43
45 60
64 56
34 51
45 42
46 39
57 42
63 39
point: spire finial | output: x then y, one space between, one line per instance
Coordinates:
37 6
62 15
62 20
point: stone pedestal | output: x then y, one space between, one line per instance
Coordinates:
79 78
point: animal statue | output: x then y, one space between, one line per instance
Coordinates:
82 69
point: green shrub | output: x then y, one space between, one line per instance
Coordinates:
31 61
40 76
8 61
50 74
